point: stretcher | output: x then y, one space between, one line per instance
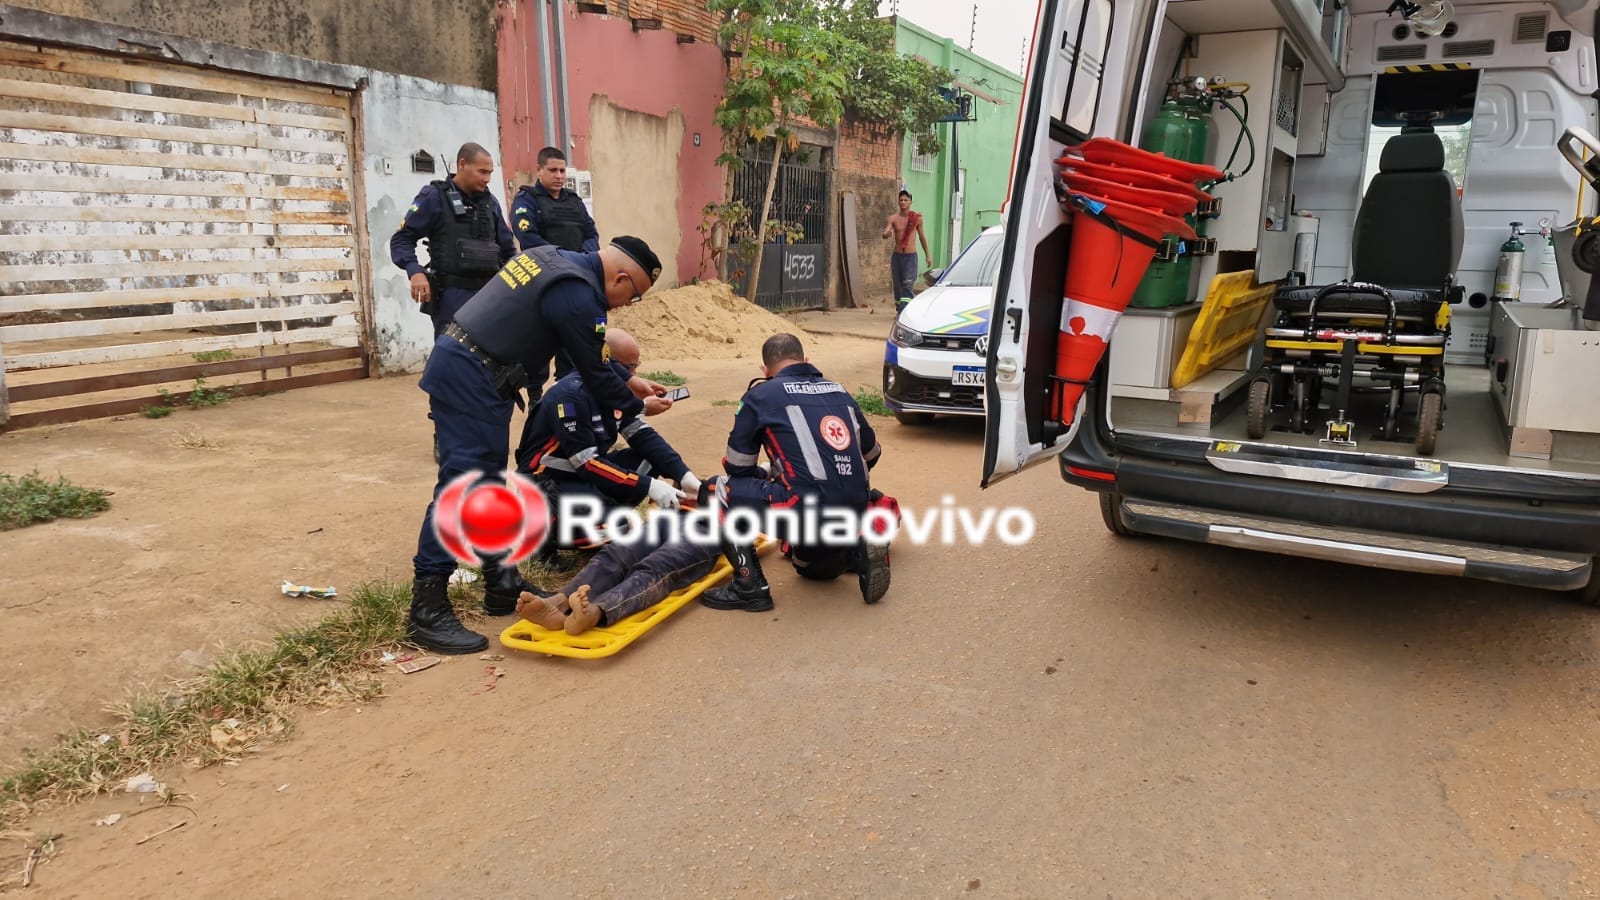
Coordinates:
607 640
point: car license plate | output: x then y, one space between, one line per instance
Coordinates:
967 375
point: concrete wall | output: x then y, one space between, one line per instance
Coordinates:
986 146
400 115
635 155
650 72
447 40
868 159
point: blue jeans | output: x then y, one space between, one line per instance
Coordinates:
471 423
903 270
626 578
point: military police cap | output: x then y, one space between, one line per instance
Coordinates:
640 252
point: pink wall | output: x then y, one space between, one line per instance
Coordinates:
644 71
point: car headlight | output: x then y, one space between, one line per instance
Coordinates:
901 336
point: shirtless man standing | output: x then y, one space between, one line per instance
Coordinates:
903 262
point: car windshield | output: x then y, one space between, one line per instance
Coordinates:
979 266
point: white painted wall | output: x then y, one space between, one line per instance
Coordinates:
399 116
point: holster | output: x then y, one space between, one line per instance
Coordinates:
509 381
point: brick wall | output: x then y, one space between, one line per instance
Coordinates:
684 17
869 164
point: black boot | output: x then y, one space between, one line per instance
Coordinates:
749 590
433 623
872 570
502 585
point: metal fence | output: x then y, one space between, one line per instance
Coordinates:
792 274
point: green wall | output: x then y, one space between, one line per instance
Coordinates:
985 146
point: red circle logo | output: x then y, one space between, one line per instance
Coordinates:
835 432
472 519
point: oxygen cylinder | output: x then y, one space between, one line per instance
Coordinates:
1508 272
1181 129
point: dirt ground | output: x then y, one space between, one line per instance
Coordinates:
1083 716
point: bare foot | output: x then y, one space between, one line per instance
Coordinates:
542 612
585 615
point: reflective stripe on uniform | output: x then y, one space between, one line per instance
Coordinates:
808 446
634 427
741 459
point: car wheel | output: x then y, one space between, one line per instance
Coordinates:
1111 512
913 418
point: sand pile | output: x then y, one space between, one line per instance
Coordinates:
700 321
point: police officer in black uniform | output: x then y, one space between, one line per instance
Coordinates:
468 239
820 447
502 341
546 212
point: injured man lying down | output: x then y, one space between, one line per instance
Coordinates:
622 579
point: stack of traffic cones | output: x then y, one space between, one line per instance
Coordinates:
1123 202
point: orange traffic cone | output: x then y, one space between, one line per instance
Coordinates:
1113 244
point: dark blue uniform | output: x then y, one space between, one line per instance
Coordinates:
562 221
540 301
820 447
424 221
569 441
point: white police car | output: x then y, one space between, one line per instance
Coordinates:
934 360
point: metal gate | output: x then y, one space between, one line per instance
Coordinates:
161 224
792 274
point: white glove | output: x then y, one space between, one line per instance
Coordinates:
665 495
690 484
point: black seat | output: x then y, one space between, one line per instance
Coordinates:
1408 230
1411 305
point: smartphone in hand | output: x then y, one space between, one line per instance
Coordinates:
678 393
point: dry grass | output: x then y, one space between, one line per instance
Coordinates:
194 440
245 697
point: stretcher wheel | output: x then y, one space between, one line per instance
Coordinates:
1111 512
1428 422
1260 398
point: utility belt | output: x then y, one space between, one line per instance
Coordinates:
509 380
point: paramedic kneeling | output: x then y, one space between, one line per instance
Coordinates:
820 448
568 444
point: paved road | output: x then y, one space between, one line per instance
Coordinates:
1085 717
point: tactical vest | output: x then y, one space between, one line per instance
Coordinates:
464 247
506 317
560 218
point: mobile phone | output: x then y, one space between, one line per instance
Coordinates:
679 393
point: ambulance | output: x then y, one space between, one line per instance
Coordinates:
1312 277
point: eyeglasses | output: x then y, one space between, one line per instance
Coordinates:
637 294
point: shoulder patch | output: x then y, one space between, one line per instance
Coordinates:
600 325
415 208
520 211
524 224
834 432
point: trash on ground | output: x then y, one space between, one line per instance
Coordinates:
290 589
281 789
412 666
145 784
225 734
161 832
492 657
112 819
491 677
463 576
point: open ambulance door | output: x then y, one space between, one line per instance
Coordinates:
1075 86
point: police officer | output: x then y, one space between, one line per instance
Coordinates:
503 340
546 212
569 441
820 447
468 239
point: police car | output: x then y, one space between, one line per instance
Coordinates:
934 360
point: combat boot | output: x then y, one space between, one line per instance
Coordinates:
872 570
502 585
749 590
433 624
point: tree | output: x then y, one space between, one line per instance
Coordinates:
821 60
787 68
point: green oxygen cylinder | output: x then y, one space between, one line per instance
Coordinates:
1179 129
